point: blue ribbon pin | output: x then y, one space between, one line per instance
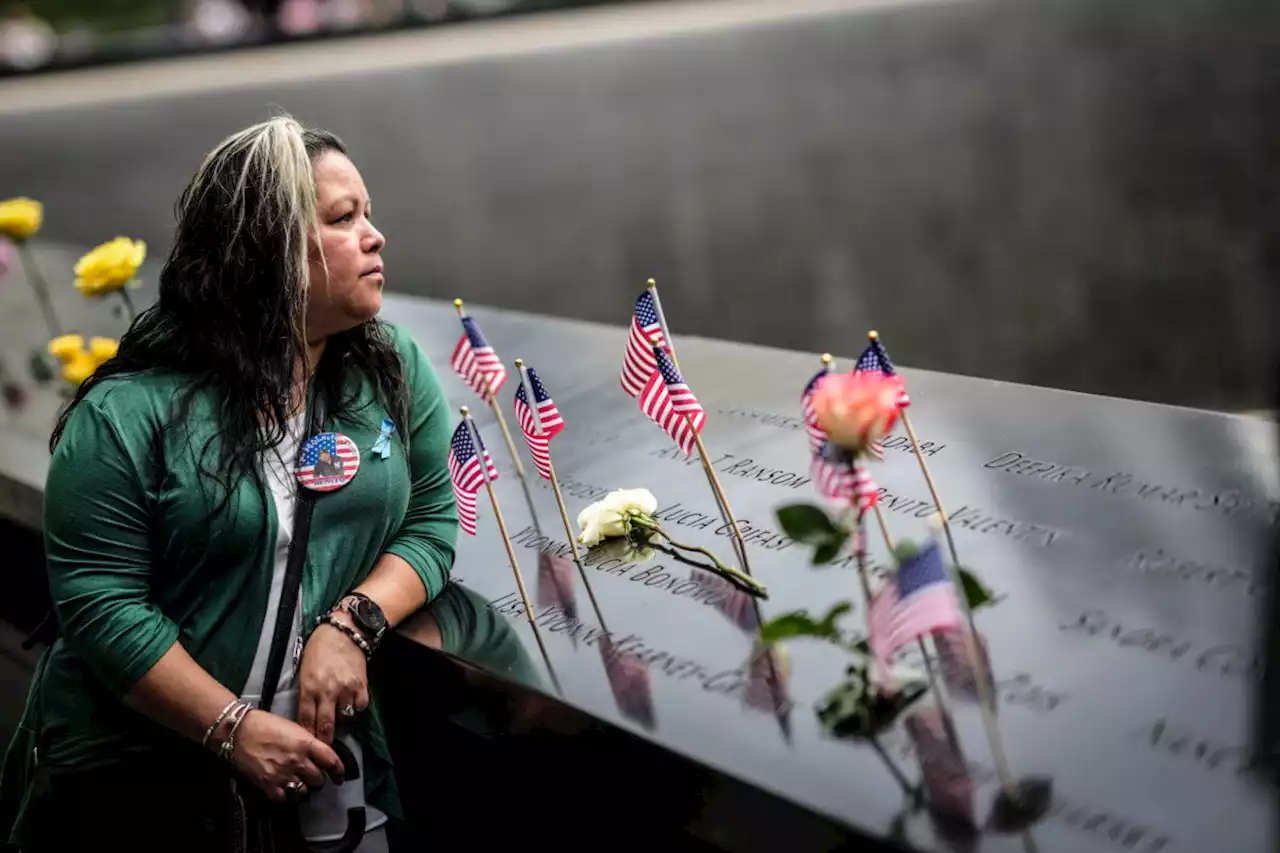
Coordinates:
383 445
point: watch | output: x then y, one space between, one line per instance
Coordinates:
367 616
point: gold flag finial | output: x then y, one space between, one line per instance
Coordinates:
519 363
826 359
873 335
652 284
457 303
466 413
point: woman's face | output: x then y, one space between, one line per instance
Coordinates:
346 267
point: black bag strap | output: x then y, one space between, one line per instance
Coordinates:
294 565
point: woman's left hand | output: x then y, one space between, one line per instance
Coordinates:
333 676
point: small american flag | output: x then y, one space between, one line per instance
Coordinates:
817 435
836 480
667 400
467 477
874 357
831 475
920 602
340 449
865 490
646 333
552 423
476 362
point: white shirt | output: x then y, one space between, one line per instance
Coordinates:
323 815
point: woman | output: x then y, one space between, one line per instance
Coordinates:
180 477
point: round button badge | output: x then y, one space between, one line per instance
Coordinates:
328 461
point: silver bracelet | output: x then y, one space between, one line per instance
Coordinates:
208 733
228 748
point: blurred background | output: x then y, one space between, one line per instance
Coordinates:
40 35
1079 194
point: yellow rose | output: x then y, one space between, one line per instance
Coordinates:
79 368
20 217
110 266
67 347
103 349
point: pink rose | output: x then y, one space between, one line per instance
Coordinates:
856 409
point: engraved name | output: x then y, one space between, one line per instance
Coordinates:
903 443
765 418
654 576
1018 690
1172 740
761 537
1227 659
724 682
1157 561
574 488
746 468
1229 502
793 424
975 519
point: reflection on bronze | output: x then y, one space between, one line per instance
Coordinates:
629 681
956 668
555 584
731 600
945 780
506 541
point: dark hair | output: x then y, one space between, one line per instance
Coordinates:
233 293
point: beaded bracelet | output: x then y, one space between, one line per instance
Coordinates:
330 619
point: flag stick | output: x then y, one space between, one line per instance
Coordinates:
491 399
473 430
986 698
939 687
873 335
725 510
555 487
866 590
722 502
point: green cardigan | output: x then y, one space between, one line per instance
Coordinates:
134 566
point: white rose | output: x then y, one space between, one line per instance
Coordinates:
611 516
632 500
598 521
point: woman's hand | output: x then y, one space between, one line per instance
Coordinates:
333 675
273 751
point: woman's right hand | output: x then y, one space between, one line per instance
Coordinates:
273 751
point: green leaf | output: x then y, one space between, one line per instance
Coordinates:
827 551
808 524
975 592
800 624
